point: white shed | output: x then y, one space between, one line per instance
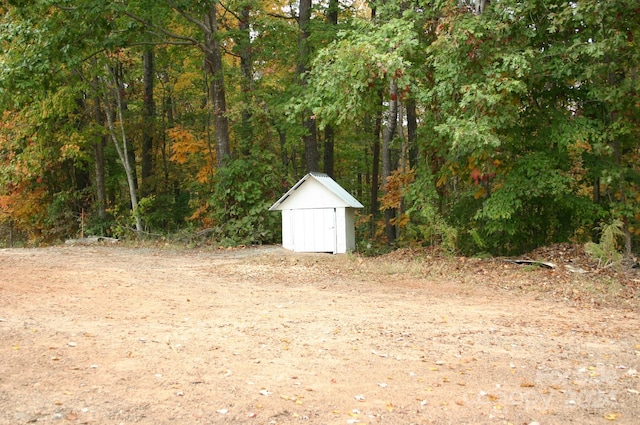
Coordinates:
318 215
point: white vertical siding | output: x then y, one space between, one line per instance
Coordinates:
314 230
288 232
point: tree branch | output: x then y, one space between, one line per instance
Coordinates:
200 24
163 31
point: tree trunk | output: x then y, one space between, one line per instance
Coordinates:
213 66
101 192
479 6
122 147
329 131
412 132
389 131
329 137
98 152
311 155
375 169
148 117
246 68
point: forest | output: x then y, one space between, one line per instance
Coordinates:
476 126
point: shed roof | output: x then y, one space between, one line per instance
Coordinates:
328 183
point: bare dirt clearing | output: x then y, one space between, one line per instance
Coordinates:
116 335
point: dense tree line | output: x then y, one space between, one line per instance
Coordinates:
474 125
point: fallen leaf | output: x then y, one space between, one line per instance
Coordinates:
611 416
460 402
71 416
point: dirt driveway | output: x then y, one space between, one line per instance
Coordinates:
117 335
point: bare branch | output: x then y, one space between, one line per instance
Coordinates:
188 17
163 31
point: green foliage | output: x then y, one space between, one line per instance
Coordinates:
244 191
528 117
348 74
164 212
427 224
608 250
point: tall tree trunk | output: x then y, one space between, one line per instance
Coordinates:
329 131
168 121
246 67
387 137
213 66
375 169
329 140
148 114
311 155
117 74
412 132
121 144
98 153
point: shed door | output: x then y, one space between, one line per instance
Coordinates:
314 230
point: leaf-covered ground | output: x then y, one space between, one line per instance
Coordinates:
119 335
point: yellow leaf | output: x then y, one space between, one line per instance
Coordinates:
390 407
480 193
611 416
16 347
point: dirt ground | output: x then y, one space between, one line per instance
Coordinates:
139 335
